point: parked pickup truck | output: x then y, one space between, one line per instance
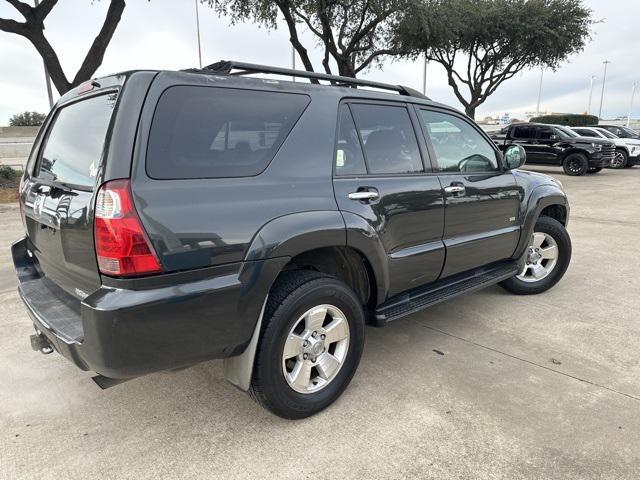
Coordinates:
558 146
177 217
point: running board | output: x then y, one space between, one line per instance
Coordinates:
420 298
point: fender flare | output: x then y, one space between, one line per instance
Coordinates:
288 236
540 198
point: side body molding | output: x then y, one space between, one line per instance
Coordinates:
534 202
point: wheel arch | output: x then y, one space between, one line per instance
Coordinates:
547 200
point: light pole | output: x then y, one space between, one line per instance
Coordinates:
593 77
424 74
604 81
539 93
47 79
633 94
198 34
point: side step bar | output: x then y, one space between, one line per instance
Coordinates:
420 298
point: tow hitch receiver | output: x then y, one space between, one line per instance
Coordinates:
40 343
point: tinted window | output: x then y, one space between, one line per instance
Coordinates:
585 132
202 132
458 145
73 149
546 133
523 131
390 144
349 159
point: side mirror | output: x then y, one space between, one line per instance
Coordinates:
514 157
553 137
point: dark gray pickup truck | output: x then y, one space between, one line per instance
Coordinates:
177 217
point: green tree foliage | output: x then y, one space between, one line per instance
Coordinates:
354 34
27 119
483 43
33 30
570 119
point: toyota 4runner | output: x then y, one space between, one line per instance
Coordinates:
176 217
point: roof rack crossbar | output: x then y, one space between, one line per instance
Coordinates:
227 67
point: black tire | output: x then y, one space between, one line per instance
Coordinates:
575 164
621 160
594 170
560 235
293 294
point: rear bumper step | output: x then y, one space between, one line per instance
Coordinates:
443 290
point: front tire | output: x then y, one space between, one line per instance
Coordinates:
620 159
311 344
575 164
594 170
546 259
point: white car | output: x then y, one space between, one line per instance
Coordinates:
627 149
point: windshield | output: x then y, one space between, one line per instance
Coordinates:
567 132
633 133
606 133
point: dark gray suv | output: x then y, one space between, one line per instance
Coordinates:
176 217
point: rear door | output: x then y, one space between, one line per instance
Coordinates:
525 135
380 176
57 197
481 198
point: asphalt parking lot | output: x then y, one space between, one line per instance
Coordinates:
490 385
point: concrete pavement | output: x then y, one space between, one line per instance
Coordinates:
487 386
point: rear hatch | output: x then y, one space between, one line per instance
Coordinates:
57 196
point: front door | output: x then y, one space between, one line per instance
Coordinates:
481 198
546 141
381 177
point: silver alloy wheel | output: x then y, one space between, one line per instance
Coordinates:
315 349
542 257
618 160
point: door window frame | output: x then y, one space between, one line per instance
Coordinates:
423 149
432 153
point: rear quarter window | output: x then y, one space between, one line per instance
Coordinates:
211 132
74 144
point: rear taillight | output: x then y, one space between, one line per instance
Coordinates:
122 246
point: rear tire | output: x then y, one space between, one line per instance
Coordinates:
594 170
620 160
307 356
575 164
549 255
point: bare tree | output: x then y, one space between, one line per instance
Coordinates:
33 30
355 34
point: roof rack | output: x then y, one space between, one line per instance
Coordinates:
227 67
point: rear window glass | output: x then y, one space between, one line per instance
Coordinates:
205 132
75 142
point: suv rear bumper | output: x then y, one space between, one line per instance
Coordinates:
123 333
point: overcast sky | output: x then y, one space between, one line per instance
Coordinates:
161 35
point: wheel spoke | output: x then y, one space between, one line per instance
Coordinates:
336 330
301 375
549 253
315 318
538 239
293 346
327 365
